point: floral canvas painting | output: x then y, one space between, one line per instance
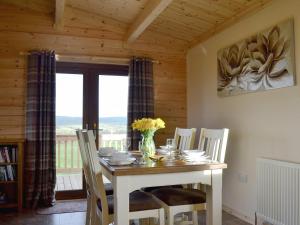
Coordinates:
261 62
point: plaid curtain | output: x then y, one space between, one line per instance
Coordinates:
140 96
39 162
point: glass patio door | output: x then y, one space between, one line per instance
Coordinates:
113 111
69 117
77 106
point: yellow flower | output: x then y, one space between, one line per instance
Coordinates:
147 124
159 123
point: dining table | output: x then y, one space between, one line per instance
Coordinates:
128 178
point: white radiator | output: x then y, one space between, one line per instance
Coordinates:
278 192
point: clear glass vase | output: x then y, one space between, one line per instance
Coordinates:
147 145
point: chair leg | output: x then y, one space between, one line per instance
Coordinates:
88 211
161 217
195 217
170 218
93 214
93 211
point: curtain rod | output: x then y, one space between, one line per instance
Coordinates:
91 59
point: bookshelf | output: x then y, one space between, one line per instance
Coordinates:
11 173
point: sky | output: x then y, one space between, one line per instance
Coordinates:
113 95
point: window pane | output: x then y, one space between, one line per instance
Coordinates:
113 98
69 102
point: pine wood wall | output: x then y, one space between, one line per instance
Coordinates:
23 30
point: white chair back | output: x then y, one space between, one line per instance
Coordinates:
214 143
185 138
97 179
85 163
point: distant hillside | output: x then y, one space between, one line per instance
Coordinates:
67 121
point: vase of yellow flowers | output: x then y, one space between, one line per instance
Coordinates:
148 127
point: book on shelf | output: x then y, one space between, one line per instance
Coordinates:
5 149
14 154
8 154
10 172
7 173
3 175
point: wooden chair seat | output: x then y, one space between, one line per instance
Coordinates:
179 196
150 189
138 201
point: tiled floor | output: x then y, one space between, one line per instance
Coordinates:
30 218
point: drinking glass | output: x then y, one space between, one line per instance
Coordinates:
126 144
170 146
141 160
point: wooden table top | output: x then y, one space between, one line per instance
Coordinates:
151 167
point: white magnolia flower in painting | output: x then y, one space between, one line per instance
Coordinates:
268 67
231 63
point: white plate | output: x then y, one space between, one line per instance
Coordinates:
163 147
121 162
203 158
162 151
105 154
194 152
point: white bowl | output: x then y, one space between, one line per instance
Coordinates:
106 151
194 153
162 151
120 156
163 147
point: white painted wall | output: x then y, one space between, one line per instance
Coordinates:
262 124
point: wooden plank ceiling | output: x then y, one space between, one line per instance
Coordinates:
186 22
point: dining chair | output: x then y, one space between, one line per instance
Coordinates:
87 174
141 204
185 138
214 143
182 200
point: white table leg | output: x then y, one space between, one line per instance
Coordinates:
121 200
214 199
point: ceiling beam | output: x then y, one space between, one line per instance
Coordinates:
59 14
151 11
229 22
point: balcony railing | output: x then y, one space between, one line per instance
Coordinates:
68 158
